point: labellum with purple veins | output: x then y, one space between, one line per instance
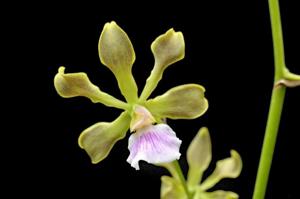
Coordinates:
152 143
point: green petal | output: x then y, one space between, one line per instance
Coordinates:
171 189
167 49
99 139
78 84
226 168
198 157
117 53
181 102
220 194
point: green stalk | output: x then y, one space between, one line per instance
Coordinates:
276 105
180 175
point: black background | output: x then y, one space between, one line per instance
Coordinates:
228 51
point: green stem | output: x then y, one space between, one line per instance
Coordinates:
181 178
276 105
269 143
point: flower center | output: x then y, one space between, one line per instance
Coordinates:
140 118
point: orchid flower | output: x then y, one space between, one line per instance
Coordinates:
151 140
198 158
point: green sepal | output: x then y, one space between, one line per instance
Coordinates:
167 49
198 157
116 53
181 102
99 139
227 168
70 85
